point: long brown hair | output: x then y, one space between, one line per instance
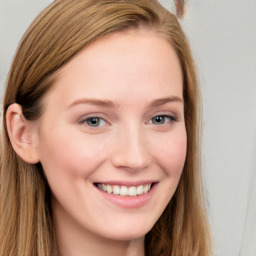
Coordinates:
61 31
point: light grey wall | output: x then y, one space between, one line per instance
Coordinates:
223 39
15 17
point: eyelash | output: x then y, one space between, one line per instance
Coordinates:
99 120
171 119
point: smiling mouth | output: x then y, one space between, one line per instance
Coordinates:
122 190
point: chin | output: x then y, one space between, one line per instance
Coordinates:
131 233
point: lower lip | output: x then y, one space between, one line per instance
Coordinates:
129 202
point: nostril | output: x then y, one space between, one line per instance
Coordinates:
136 163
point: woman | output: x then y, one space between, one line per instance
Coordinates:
100 145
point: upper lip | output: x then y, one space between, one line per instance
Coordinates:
126 183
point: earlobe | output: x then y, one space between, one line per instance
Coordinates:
22 134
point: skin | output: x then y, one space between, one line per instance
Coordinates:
117 79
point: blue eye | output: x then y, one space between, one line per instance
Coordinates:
95 121
162 119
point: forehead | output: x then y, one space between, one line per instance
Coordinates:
138 61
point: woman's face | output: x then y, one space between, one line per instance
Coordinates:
112 138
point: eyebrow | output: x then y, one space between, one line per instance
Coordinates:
163 101
96 102
110 104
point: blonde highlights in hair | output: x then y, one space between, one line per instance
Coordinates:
60 32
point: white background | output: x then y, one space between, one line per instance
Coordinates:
223 39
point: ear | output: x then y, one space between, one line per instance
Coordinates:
22 134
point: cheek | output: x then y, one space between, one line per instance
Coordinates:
172 154
71 155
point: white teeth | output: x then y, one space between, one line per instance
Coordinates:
140 190
109 189
146 188
124 190
132 191
116 190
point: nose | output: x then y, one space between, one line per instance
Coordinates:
131 150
